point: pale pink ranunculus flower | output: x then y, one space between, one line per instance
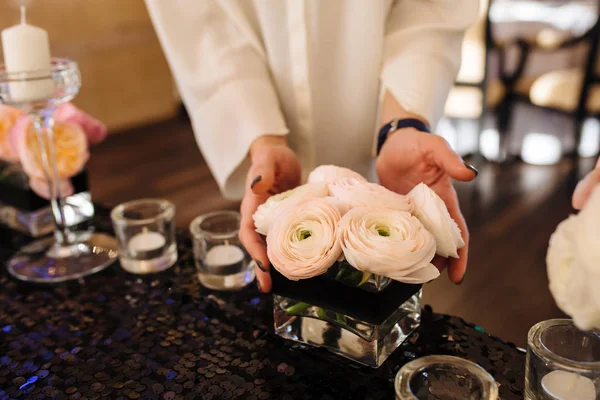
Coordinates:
265 213
331 173
95 131
573 265
389 243
431 210
70 145
303 241
358 193
8 119
41 188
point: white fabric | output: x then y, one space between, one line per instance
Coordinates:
312 68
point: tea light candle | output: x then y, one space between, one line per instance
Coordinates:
223 254
26 48
146 241
563 385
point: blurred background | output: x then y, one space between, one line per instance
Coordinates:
524 110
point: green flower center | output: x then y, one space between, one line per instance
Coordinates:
383 230
304 234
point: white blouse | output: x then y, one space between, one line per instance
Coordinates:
309 69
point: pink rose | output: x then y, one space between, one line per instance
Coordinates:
8 119
389 243
95 131
331 173
303 242
359 193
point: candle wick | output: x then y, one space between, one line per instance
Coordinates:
23 19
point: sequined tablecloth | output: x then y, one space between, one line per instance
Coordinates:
119 336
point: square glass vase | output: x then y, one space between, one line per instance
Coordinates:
363 323
24 211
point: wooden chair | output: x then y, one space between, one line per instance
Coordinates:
574 92
471 95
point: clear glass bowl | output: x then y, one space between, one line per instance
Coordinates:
444 378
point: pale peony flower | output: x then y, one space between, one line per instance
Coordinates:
357 193
304 242
431 210
95 131
388 242
572 265
8 119
265 214
41 188
331 173
70 146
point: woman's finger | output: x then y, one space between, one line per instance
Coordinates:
584 188
457 266
252 241
442 155
261 177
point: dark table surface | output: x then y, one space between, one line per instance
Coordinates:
121 336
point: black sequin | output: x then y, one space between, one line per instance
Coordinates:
122 336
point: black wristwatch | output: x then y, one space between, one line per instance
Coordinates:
396 124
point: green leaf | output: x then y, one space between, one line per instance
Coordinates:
341 318
365 278
297 308
321 313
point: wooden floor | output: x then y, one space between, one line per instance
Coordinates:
511 212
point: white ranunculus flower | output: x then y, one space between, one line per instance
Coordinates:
388 242
330 173
431 210
357 193
265 214
572 265
303 242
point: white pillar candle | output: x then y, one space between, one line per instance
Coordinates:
26 48
563 385
222 255
146 241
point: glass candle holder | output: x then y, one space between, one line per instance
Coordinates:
146 233
222 262
563 362
444 378
69 254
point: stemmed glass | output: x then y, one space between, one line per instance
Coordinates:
68 255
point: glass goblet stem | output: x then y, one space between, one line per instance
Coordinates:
44 128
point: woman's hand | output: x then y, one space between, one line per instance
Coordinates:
585 187
274 169
410 157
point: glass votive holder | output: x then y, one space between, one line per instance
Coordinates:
563 362
145 230
221 260
444 378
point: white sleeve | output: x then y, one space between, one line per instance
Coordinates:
422 52
224 81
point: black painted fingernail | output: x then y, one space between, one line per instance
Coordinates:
255 181
472 168
260 266
258 285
